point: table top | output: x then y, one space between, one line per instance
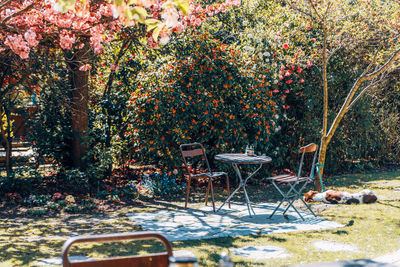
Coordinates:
242 158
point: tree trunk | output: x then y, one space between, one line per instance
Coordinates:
8 147
321 160
79 106
5 133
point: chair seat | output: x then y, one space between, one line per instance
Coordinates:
287 179
208 174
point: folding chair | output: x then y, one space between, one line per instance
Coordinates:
194 157
296 183
152 260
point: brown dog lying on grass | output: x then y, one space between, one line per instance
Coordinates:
340 197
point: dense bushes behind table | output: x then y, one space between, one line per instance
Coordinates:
209 92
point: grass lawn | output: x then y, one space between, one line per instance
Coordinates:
374 229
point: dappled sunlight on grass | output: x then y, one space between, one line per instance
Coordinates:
374 229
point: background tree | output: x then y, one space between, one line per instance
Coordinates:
80 28
369 28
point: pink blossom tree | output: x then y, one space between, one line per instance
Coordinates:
80 28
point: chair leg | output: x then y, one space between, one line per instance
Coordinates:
229 191
308 207
208 191
212 195
187 192
277 207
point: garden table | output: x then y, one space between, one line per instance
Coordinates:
237 159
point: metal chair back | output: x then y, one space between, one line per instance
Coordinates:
193 150
308 149
152 260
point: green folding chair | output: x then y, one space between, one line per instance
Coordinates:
295 183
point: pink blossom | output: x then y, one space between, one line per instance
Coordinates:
170 17
151 43
302 80
287 73
18 45
114 67
30 37
67 39
106 10
178 28
85 67
309 64
289 81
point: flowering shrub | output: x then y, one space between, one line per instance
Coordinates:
38 200
37 212
12 198
162 185
57 196
131 190
210 93
70 199
88 203
72 208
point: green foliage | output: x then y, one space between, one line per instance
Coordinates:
72 208
50 205
37 212
38 200
210 93
161 185
50 130
74 179
21 180
88 204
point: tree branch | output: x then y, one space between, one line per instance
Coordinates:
4 21
315 10
4 4
372 84
385 66
357 84
300 10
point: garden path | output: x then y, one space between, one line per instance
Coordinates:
203 223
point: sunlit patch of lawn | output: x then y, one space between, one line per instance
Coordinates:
374 229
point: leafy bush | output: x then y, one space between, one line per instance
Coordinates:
52 206
37 212
21 181
88 204
131 191
38 200
74 179
72 208
162 185
210 93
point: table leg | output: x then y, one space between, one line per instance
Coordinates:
229 198
242 184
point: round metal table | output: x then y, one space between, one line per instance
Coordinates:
237 159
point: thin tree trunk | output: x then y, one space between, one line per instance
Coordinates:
8 147
321 160
324 141
6 140
79 106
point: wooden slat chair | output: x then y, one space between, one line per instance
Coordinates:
196 150
152 260
296 183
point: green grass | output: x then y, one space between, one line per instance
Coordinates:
374 229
